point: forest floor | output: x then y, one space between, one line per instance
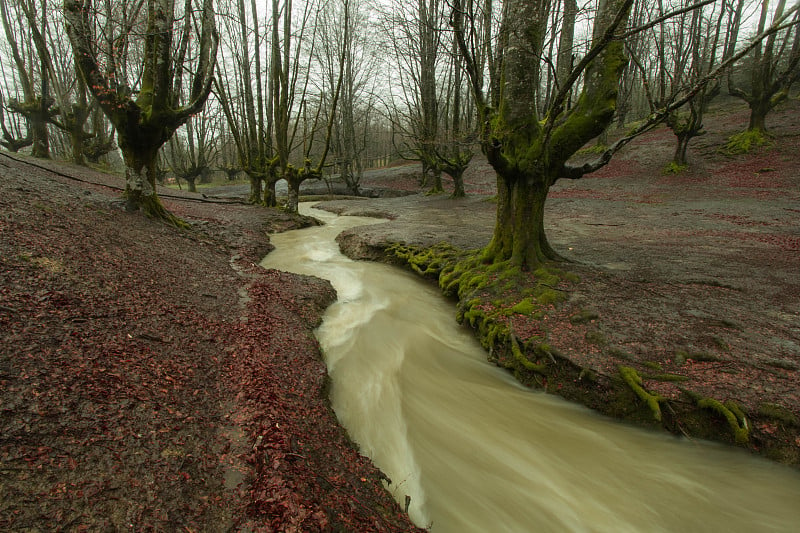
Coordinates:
155 378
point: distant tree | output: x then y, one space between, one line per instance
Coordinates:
35 106
190 156
290 107
696 54
775 65
145 117
15 135
356 99
240 89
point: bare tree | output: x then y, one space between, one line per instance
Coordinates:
290 101
146 121
249 119
775 65
13 137
191 156
344 35
35 106
701 51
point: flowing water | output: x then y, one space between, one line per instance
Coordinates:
476 452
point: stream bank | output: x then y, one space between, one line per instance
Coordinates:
686 315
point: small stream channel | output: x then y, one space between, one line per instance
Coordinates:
477 452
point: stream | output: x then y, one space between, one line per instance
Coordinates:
476 451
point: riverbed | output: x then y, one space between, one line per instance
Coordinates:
475 451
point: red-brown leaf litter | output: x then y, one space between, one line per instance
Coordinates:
156 379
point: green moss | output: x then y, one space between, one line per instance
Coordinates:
675 168
587 374
666 377
652 365
546 277
721 344
779 413
619 353
549 297
596 337
583 316
489 292
522 360
681 356
592 150
733 414
634 381
524 307
746 142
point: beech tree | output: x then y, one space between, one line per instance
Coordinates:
290 107
36 105
190 153
247 112
696 54
146 116
529 152
775 65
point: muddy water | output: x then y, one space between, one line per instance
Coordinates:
476 452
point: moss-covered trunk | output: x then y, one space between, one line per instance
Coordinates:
77 137
681 148
437 186
255 187
759 109
40 135
519 234
458 184
141 171
292 202
270 195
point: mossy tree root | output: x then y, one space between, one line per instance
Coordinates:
733 414
634 381
522 360
152 207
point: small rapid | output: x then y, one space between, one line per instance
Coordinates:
476 451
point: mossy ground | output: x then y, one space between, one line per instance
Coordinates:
746 141
511 311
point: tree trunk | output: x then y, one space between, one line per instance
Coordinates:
681 148
519 234
141 171
270 195
191 182
76 137
293 199
41 138
759 109
255 188
458 184
437 186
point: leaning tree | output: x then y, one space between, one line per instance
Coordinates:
146 109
